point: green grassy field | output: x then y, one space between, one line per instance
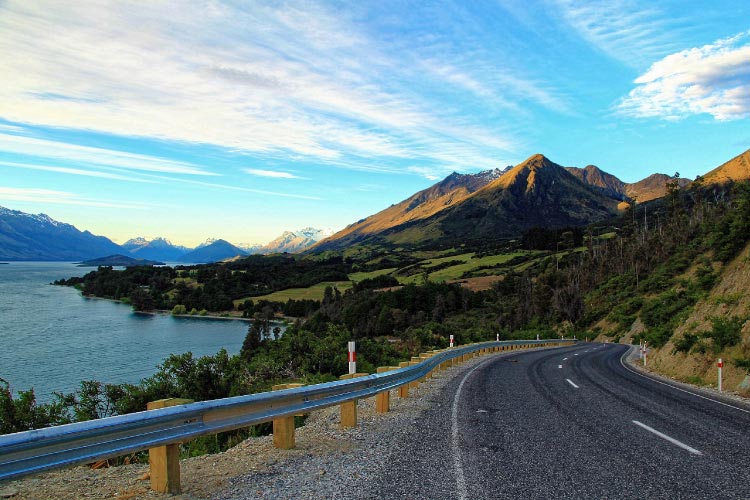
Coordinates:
357 277
314 292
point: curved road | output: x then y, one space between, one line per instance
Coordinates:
570 422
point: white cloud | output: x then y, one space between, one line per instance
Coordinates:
37 195
271 173
713 79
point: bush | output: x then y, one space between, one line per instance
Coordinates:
685 343
725 332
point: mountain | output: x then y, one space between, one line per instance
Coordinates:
652 187
38 237
156 249
216 251
491 205
735 170
452 190
294 241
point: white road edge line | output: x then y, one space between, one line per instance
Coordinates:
667 438
572 383
673 386
460 480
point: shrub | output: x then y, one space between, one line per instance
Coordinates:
725 332
685 343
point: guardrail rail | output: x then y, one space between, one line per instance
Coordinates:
34 451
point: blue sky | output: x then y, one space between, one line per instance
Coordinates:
240 120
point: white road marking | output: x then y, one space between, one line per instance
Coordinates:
572 383
565 359
482 411
667 438
460 480
675 387
576 354
559 366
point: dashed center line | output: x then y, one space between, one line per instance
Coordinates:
559 366
667 438
565 359
572 383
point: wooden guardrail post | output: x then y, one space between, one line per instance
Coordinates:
403 390
383 399
164 461
283 428
349 409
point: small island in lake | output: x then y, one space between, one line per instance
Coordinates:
119 261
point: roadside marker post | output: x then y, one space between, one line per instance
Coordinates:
451 340
645 351
352 358
720 364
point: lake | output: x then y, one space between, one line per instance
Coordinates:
51 337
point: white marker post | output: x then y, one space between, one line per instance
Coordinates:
720 364
451 340
537 336
352 358
645 351
497 337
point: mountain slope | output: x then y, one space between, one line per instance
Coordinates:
422 205
216 251
38 237
735 170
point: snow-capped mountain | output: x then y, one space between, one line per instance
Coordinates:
155 249
295 241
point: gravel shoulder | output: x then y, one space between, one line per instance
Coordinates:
328 461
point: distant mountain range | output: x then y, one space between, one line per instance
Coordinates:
506 203
484 206
39 237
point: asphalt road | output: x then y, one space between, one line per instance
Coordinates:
569 423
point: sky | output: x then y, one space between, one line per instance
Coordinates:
242 119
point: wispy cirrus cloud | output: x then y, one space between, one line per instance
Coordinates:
52 196
274 174
631 31
713 79
74 171
58 150
269 79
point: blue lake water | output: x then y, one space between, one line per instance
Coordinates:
51 337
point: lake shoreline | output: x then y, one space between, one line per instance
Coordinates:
165 312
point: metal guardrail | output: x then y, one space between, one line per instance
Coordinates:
30 452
